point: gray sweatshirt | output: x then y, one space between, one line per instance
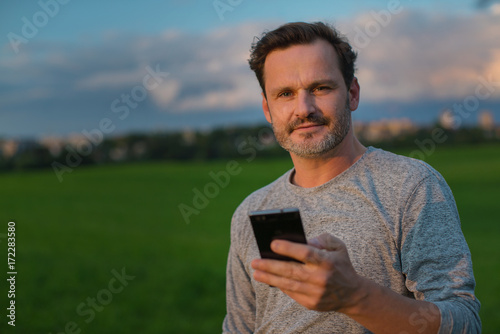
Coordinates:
399 221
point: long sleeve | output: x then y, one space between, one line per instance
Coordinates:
240 296
436 259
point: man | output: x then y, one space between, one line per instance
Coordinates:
385 254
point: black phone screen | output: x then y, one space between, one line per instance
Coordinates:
269 225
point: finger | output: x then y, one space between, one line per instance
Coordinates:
279 268
285 284
304 293
297 251
272 279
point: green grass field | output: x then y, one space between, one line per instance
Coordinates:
70 236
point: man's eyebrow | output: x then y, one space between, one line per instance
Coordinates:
277 90
328 82
316 83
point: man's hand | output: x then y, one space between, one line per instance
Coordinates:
325 281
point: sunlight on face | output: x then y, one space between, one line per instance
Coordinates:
307 101
309 149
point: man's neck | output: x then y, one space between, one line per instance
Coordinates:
313 172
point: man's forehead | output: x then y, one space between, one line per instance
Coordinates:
318 58
318 47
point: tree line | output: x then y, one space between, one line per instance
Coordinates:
222 143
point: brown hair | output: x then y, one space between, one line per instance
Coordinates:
297 33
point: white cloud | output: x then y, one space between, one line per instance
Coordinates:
493 67
423 56
417 56
495 9
212 76
414 57
239 95
111 79
166 93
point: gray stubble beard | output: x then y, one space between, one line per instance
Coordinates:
311 150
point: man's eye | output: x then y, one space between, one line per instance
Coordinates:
285 94
320 88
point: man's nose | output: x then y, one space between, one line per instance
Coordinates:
305 104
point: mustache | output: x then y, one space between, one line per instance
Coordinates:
311 119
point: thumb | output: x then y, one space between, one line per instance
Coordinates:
327 242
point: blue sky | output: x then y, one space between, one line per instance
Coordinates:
80 19
86 57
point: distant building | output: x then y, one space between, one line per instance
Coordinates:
53 144
12 147
384 129
77 140
447 120
119 153
9 148
189 136
486 120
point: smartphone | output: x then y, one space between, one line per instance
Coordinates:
269 225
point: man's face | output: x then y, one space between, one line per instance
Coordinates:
307 101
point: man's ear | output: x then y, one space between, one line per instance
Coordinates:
265 108
354 91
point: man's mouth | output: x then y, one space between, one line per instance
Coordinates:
310 123
307 126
